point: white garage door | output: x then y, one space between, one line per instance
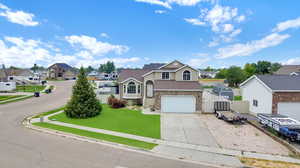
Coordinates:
290 109
178 104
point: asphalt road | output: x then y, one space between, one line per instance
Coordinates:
26 148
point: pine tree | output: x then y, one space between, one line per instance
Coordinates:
83 103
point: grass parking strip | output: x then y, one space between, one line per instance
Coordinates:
105 137
15 100
49 112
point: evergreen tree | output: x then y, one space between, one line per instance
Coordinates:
83 103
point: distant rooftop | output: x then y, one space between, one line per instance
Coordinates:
153 66
287 69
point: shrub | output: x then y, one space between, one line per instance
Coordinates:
116 103
110 99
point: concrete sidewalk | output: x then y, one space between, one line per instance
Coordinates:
180 149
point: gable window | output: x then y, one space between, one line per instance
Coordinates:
255 103
131 88
165 75
186 75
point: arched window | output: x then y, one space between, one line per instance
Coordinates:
131 87
149 89
186 75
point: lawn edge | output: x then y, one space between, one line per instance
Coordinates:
27 124
17 99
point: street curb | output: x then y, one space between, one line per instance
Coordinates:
278 139
27 124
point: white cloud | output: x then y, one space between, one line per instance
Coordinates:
168 3
160 11
292 61
282 26
94 46
19 52
119 61
3 7
19 17
240 18
156 2
197 62
215 42
194 21
252 46
228 28
219 15
184 2
105 35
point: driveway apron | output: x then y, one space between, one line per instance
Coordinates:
186 128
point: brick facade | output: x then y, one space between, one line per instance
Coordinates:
197 94
284 97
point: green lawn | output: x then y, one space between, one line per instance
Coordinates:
105 137
237 98
49 112
30 88
120 120
15 100
7 97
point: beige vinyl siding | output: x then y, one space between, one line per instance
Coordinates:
194 74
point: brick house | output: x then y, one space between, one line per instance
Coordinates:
172 87
273 94
61 71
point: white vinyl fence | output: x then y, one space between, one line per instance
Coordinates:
208 100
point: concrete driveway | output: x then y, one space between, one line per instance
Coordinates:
187 128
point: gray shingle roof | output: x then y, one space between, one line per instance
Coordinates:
132 73
153 66
281 82
287 69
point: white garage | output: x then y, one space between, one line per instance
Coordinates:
178 104
290 109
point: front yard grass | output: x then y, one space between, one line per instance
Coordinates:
120 120
237 98
105 137
30 88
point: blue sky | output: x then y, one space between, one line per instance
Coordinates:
216 33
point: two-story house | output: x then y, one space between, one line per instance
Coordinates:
61 71
172 87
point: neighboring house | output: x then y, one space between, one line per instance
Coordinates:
21 76
94 75
3 75
208 74
273 94
7 86
288 70
172 87
61 71
109 76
